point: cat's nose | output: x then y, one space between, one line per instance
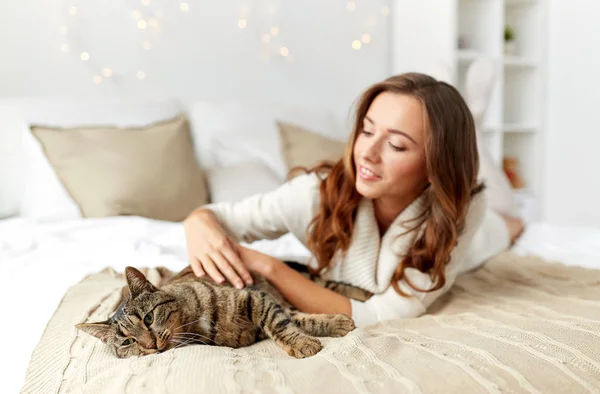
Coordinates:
149 343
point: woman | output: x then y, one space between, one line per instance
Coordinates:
401 215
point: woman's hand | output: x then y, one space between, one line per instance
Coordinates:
257 262
211 252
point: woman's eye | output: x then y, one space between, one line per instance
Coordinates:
128 341
148 319
365 132
397 148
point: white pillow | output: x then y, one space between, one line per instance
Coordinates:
12 163
249 132
236 182
44 197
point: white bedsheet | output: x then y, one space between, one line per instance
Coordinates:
39 262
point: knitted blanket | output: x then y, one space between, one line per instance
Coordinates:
518 324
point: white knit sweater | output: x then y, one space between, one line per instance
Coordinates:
371 258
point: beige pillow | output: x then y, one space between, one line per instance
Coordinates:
304 148
148 171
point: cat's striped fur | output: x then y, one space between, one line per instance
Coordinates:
187 310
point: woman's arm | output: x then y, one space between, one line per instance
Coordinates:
305 294
289 208
301 292
213 230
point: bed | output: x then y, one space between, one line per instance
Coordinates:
527 321
41 262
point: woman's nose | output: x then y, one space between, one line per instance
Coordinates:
371 152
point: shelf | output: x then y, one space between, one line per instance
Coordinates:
468 55
513 128
518 3
519 128
519 61
491 129
512 125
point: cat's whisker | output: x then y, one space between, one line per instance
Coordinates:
189 335
187 324
182 343
192 337
185 343
171 326
193 334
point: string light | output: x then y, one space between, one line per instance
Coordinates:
185 7
242 23
366 38
273 47
142 17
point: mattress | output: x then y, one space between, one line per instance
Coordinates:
39 262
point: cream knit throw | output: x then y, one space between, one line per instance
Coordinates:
518 324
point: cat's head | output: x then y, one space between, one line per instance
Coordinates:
144 323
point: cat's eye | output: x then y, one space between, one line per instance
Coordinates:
149 318
128 341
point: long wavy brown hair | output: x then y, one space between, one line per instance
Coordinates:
452 165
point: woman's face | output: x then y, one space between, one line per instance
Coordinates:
389 152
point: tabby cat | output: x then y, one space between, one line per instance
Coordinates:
189 310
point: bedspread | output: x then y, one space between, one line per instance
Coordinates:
517 324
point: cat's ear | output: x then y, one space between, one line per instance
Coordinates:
100 330
137 282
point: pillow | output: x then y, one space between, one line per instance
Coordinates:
303 148
12 162
236 182
143 171
44 197
249 132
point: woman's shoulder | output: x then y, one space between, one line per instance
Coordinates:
303 190
304 185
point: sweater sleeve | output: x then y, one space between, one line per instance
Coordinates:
390 305
289 208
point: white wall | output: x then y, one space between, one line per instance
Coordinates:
197 54
572 154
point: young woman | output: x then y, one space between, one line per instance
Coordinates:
401 215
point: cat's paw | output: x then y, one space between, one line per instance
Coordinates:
341 325
305 346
